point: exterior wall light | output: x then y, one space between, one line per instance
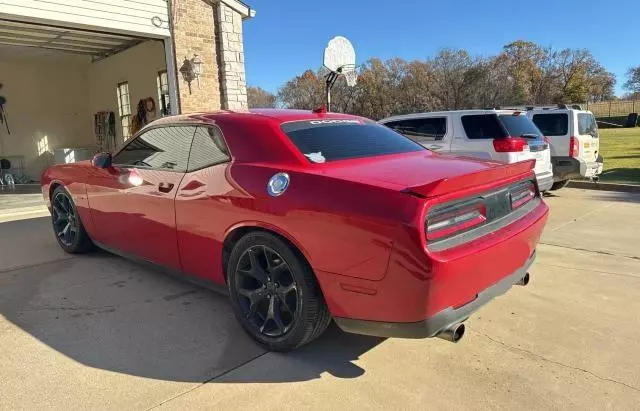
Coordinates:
192 69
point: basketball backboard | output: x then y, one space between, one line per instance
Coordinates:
339 54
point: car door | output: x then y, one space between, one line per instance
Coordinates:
431 132
203 207
133 202
588 137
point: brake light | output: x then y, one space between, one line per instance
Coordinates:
455 219
522 194
574 147
510 144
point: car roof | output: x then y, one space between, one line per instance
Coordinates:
275 115
254 136
450 112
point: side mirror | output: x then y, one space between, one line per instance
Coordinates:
101 160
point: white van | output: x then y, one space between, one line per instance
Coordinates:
575 144
503 135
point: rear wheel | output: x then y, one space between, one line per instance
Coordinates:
67 226
274 293
559 184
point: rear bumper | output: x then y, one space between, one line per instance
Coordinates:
545 180
565 168
433 325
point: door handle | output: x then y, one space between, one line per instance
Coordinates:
435 147
165 187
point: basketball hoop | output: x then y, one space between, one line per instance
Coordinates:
340 59
350 74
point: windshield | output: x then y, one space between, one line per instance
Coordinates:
587 124
329 140
520 126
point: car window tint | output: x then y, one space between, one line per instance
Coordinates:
552 124
587 124
208 148
519 126
480 126
329 140
421 129
164 148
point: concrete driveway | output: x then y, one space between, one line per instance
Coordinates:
100 332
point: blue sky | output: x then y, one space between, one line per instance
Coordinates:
287 37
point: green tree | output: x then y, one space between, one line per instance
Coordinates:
633 80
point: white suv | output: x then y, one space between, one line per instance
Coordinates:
503 135
574 139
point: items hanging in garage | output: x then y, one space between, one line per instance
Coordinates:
105 130
145 113
3 112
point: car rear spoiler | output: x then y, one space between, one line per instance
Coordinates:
461 182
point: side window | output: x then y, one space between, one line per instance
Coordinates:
165 148
421 129
552 124
483 126
208 148
587 124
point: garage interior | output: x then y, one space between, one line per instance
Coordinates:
67 93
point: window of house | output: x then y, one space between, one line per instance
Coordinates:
43 145
164 148
421 129
124 109
163 93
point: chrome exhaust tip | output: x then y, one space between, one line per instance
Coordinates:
452 334
524 280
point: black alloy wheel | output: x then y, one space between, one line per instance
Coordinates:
65 219
67 225
274 292
268 291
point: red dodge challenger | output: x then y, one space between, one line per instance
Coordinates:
303 217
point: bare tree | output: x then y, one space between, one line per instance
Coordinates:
260 98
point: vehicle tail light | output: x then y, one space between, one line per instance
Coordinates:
455 219
574 147
522 194
510 144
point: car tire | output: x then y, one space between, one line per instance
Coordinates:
558 185
67 225
274 293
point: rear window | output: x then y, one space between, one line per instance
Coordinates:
587 124
552 124
421 129
330 140
483 126
520 126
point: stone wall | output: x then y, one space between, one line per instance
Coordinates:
194 28
231 57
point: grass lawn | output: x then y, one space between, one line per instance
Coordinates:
620 148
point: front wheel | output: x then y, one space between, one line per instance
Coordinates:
274 293
67 226
559 184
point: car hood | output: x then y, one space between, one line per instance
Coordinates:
425 173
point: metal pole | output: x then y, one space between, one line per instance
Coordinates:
609 108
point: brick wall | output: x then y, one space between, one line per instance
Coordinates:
231 57
194 33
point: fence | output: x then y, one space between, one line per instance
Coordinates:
613 108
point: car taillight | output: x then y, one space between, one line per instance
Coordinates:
522 194
510 144
455 219
574 147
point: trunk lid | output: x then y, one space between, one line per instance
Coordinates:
425 174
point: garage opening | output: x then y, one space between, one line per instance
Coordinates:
67 93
